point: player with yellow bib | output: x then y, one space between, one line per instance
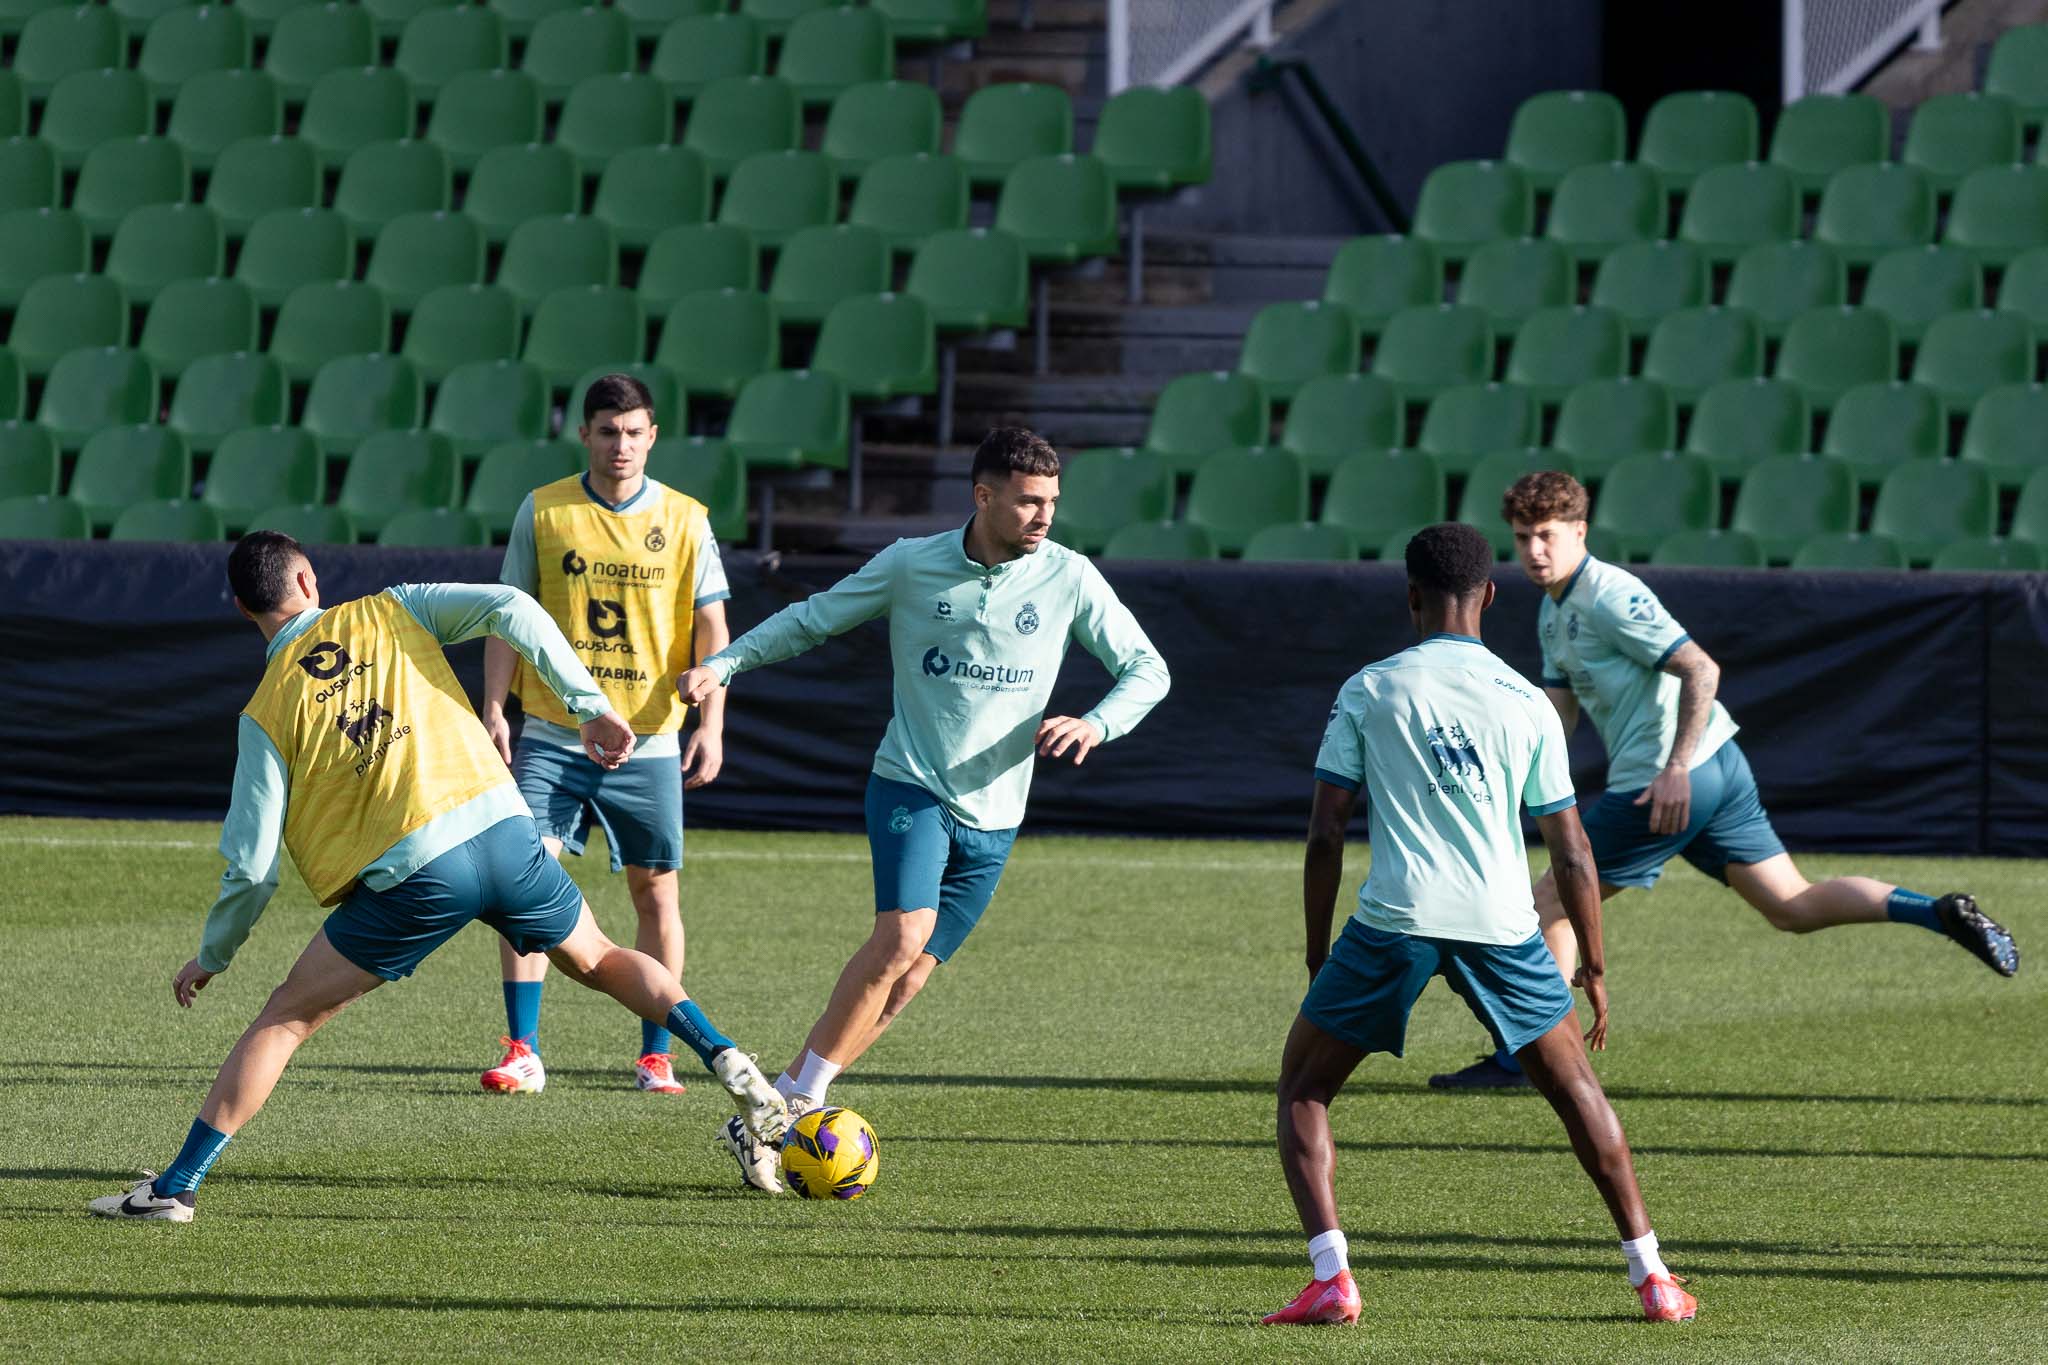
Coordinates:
629 571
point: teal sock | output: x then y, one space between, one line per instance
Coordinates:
202 1147
1507 1061
654 1039
522 1011
688 1023
1910 907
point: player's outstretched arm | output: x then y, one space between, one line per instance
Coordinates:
1322 866
861 596
1578 886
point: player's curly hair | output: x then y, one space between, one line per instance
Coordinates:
1014 450
1450 559
1549 495
616 393
260 568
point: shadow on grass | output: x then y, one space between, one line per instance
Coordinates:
1492 1148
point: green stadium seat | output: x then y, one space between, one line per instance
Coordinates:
321 321
546 254
218 108
776 194
1160 540
2018 70
35 243
1466 204
56 42
1598 208
478 111
124 175
820 266
1644 281
1290 344
1424 350
1377 277
645 191
1733 208
61 313
189 40
1821 134
509 474
911 198
440 44
692 257
1779 281
356 396
974 280
28 460
1915 286
1953 135
1002 126
2008 433
307 523
664 390
1336 416
1155 140
15 13
709 470
123 465
417 253
1696 348
513 184
696 50
262 15
260 175
384 180
95 387
313 40
1238 492
2023 288
1490 479
934 21
881 347
1691 133
829 51
390 16
173 520
38 516
775 16
1608 420
1375 493
1646 498
219 395
651 18
1301 542
1061 208
13 388
397 471
569 46
198 317
882 120
716 340
1828 351
790 419
573 324
1471 420
737 117
161 243
1197 415
1710 550
459 324
1560 130
1558 349
434 527
1866 211
1106 489
1740 421
522 16
2030 514
482 404
1965 355
1516 276
1849 550
137 15
1785 500
1988 555
290 247
90 107
354 108
2000 212
28 174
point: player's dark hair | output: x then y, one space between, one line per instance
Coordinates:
260 569
616 393
1550 495
1014 450
1450 559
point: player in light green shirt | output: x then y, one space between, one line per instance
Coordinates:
979 620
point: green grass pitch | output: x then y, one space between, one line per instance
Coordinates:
1843 1138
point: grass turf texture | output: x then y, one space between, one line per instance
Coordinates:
1839 1136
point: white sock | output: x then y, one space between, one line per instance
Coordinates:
815 1075
1643 1260
785 1085
1331 1254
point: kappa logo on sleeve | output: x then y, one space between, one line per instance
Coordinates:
1642 607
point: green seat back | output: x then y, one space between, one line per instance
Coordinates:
645 191
1335 416
1821 134
356 107
1986 554
790 419
652 18
910 198
96 387
1301 542
28 174
307 523
482 404
1647 497
510 473
523 16
2023 288
312 40
546 254
1646 281
1915 286
390 16
480 111
219 395
1740 421
1155 140
935 21
1779 281
1512 278
29 460
259 467
1785 500
320 321
397 471
40 516
829 51
1828 351
1877 426
462 324
36 243
1866 211
973 280
2008 433
59 41
120 176
434 527
1490 479
177 520
124 465
1560 130
2000 212
1061 208
417 253
1558 349
1160 540
882 119
1002 126
820 266
736 117
1377 277
1472 420
1953 135
777 15
1694 349
1689 134
1598 208
59 314
87 108
1105 489
384 180
188 41
1466 204
880 346
260 175
1733 208
1605 421
776 194
697 50
709 470
2018 70
1375 493
1849 550
1290 344
1966 355
1710 550
1198 415
439 44
573 325
215 110
1424 350
716 340
572 45
692 257
355 397
290 247
513 184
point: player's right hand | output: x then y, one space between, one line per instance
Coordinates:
697 684
190 980
1594 984
608 740
500 731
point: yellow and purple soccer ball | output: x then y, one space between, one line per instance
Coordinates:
830 1154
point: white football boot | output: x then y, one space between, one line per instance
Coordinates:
760 1163
141 1203
519 1074
766 1116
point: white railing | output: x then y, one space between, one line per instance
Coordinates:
1831 45
1164 42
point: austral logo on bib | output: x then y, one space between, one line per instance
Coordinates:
656 541
607 619
572 564
325 660
1027 618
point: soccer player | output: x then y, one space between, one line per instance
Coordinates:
979 619
1451 746
1677 783
629 570
359 751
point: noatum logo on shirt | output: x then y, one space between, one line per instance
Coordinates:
975 673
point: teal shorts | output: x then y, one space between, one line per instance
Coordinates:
1372 978
502 876
926 860
1728 825
639 805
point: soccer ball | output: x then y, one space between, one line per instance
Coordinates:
830 1154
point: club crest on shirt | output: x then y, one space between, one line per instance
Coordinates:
1642 607
656 541
1027 618
899 820
1571 628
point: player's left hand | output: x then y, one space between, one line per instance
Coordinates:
703 757
1594 984
608 740
190 980
1058 734
1670 801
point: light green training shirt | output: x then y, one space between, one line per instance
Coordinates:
1450 744
976 648
252 836
1606 636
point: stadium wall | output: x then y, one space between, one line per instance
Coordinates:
1880 711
